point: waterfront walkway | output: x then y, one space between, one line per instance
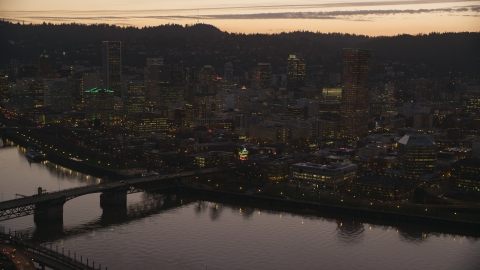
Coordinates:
336 208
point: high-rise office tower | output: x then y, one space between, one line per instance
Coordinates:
78 90
36 91
133 97
156 73
28 71
112 66
332 94
296 70
55 93
154 61
62 94
389 92
92 78
265 71
171 92
262 76
99 105
207 75
4 94
228 72
354 102
45 65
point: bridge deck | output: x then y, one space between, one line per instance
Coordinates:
79 191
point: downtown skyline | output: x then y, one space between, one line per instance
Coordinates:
192 145
374 17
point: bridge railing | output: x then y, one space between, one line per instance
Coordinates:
26 243
193 172
44 193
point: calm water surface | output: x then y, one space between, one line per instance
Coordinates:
175 232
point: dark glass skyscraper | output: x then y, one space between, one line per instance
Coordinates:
296 71
112 66
354 102
262 76
45 65
156 74
228 72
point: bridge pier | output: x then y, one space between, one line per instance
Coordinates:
49 210
115 197
113 214
45 229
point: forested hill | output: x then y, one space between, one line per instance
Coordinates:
443 51
82 34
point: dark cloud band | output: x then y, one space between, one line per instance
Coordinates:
258 7
340 14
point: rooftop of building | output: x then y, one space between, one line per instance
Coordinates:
458 149
380 136
149 115
416 140
274 125
265 158
213 144
356 49
469 161
331 166
44 55
97 90
328 151
384 180
212 154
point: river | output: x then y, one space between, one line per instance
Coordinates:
173 231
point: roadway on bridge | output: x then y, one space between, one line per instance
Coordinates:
19 259
75 192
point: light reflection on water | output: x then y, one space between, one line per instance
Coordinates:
159 231
350 232
186 236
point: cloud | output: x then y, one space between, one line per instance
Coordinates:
367 11
341 14
475 8
319 15
257 7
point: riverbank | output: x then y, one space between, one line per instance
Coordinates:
448 210
436 215
64 161
368 215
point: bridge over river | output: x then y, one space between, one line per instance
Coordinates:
49 206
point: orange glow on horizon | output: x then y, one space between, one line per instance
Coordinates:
367 17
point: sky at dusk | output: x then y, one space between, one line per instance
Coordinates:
369 17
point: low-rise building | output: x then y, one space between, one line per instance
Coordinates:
460 153
276 133
466 174
212 159
417 153
276 170
144 123
382 187
214 146
321 175
327 156
216 123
